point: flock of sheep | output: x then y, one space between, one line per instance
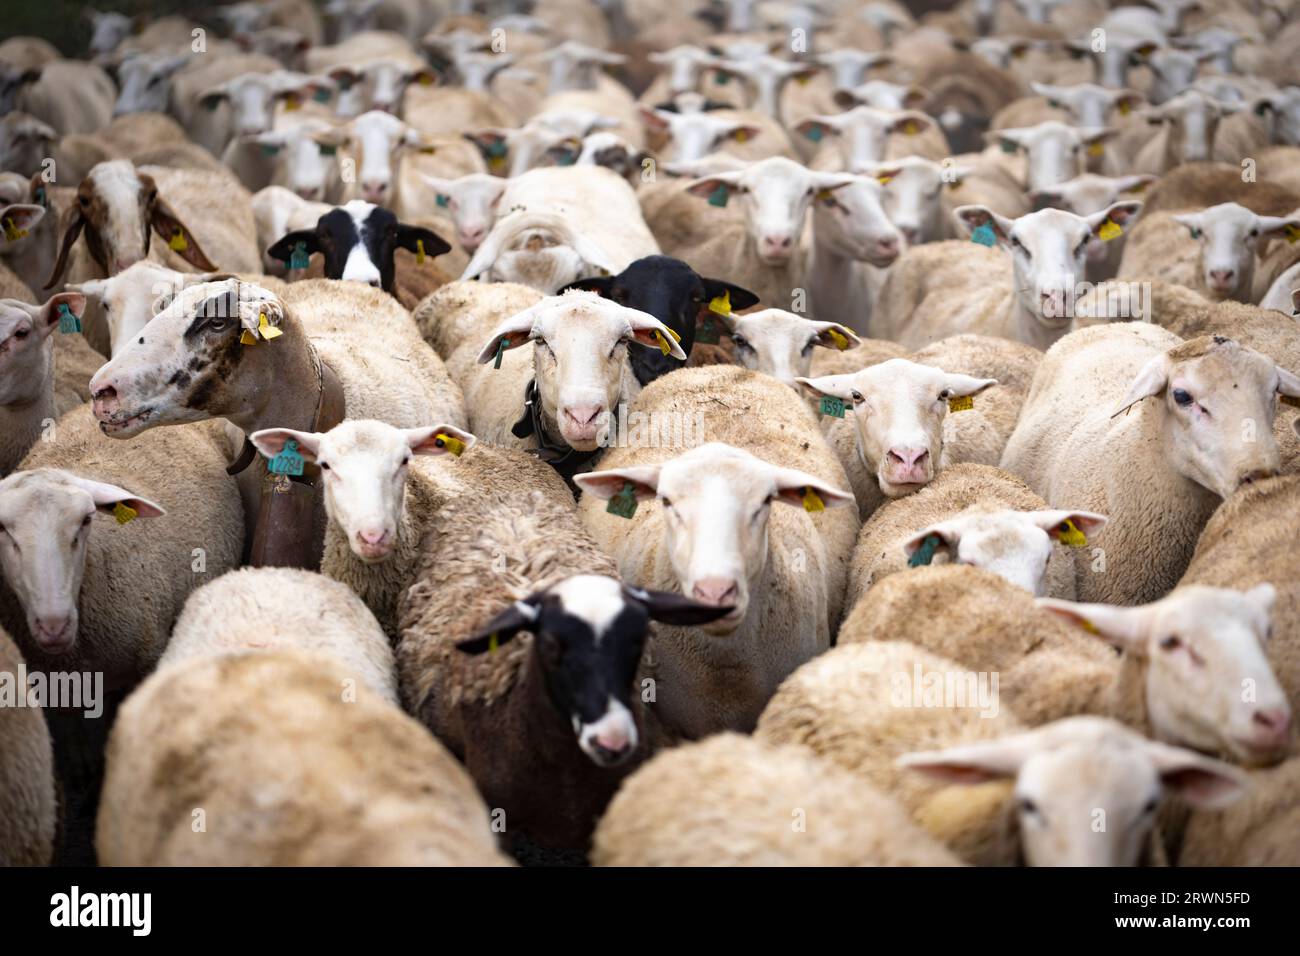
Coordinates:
675 432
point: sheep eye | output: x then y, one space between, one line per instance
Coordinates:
1171 643
22 334
1028 806
1151 806
1182 398
857 397
740 341
666 502
1254 233
324 466
85 522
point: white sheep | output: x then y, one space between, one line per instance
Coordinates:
781 344
1156 468
731 800
703 523
28 796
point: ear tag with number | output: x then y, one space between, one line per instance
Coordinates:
419 252
124 512
288 461
12 232
1071 535
68 321
1109 230
663 340
624 503
450 442
299 259
721 304
178 242
960 403
719 197
983 235
832 406
812 501
924 554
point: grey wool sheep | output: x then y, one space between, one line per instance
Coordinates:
731 800
28 799
1118 422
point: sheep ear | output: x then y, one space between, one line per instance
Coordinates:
977 217
836 386
958 385
1121 215
949 537
1124 627
283 247
502 629
21 217
832 335
1053 522
48 319
1151 380
178 236
740 298
410 237
668 607
1288 383
973 763
510 334
802 489
1201 781
439 440
73 223
606 484
107 497
271 441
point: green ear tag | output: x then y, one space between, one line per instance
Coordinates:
501 350
925 553
718 197
983 235
40 195
722 78
68 321
567 159
299 259
1008 147
288 462
498 149
706 332
326 149
269 149
623 504
815 134
321 95
442 200
832 406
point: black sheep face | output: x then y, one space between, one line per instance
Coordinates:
358 241
673 293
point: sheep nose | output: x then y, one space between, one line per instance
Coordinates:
105 402
309 193
1222 277
583 414
373 283
372 535
718 592
908 457
52 631
887 247
1259 474
778 243
911 233
374 191
1272 725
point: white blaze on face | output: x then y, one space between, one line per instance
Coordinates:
863 132
898 409
145 83
360 265
1193 118
684 65
119 188
250 98
780 343
693 136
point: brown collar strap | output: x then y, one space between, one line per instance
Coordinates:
331 408
246 456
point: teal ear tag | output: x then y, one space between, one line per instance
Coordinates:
40 195
723 78
815 134
288 462
623 504
706 333
68 322
269 149
718 197
322 95
832 406
501 350
498 149
567 159
925 553
299 259
983 235
442 201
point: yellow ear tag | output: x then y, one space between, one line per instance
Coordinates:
721 304
247 338
1292 233
1124 108
451 443
910 128
178 242
1088 626
124 512
884 180
663 342
960 403
1109 230
1072 536
291 103
496 163
419 252
802 79
812 501
1096 149
265 329
493 643
838 338
426 79
12 232
740 136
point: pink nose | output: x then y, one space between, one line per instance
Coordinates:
372 535
615 741
887 247
778 243
1222 277
907 465
374 190
106 402
51 630
1272 726
716 591
911 233
471 237
310 193
582 414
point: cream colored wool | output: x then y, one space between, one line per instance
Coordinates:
274 609
733 801
465 313
1260 829
28 798
964 488
287 771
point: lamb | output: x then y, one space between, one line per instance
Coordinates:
561 394
233 366
781 574
373 539
562 224
977 515
1160 469
733 801
289 769
1215 255
73 609
903 428
249 611
1048 250
775 196
562 706
41 376
28 798
120 205
872 708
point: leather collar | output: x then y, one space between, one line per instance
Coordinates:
565 460
331 407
